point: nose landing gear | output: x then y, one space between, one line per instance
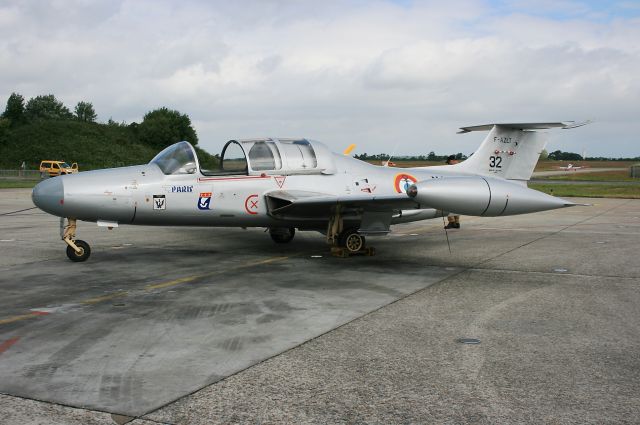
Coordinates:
77 250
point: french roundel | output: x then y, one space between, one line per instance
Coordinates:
403 182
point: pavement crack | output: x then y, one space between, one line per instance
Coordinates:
553 273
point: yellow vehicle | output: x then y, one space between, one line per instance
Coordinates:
57 168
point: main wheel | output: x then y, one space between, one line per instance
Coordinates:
85 251
282 235
352 240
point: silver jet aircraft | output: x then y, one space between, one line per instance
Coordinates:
289 184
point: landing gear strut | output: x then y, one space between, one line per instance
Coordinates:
77 250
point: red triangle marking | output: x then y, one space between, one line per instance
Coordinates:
280 180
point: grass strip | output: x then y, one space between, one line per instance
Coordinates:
17 184
589 190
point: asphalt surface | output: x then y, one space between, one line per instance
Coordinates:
187 325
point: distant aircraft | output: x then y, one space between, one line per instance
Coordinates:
289 184
571 167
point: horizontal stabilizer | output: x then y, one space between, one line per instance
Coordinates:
525 126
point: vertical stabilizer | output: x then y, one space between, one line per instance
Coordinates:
506 152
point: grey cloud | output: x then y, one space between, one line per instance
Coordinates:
366 72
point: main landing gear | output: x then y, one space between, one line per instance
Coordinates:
77 250
282 234
345 241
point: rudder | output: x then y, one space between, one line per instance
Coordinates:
506 152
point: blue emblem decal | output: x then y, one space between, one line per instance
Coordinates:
204 201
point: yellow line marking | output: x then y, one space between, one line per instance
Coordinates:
267 261
192 278
107 297
119 294
172 282
18 318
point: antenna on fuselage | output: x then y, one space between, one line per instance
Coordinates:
393 152
446 233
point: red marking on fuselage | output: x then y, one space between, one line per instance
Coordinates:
40 313
206 179
8 343
251 206
280 180
403 178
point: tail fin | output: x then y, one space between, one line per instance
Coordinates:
510 151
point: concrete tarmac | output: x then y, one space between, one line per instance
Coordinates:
188 325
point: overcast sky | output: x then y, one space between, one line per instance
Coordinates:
385 75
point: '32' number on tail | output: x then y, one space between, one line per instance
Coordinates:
495 161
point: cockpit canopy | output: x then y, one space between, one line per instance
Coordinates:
179 158
276 156
252 157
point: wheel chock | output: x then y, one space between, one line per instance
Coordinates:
341 252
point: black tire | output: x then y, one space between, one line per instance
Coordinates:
282 235
82 256
352 240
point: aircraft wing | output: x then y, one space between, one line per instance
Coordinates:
303 204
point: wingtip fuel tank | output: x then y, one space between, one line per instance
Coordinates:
482 196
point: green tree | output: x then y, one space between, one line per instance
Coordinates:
163 127
85 112
544 155
564 156
14 111
46 107
4 126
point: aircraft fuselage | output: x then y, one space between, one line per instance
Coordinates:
143 195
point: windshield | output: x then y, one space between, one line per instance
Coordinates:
65 165
176 159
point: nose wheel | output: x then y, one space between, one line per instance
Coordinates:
81 254
77 250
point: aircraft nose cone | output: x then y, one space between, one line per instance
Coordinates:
48 195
